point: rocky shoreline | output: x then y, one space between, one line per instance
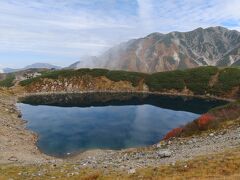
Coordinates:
165 152
18 145
175 94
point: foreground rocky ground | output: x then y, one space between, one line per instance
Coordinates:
225 165
20 158
166 152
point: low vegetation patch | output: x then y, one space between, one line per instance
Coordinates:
217 118
166 80
228 78
197 80
133 77
173 133
8 81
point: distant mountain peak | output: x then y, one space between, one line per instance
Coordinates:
33 66
217 46
42 65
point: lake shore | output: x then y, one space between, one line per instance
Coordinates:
18 144
129 92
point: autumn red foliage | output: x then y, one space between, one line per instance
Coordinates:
204 120
173 133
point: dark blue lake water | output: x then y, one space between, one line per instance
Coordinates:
117 125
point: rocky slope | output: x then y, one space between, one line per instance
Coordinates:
17 143
216 46
78 84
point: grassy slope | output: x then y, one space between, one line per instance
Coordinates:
197 80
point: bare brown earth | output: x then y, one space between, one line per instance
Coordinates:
18 145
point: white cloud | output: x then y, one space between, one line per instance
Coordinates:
35 26
187 14
75 28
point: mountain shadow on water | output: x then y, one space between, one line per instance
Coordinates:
177 103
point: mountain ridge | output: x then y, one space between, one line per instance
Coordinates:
32 66
216 46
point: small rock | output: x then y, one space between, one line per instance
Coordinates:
164 153
70 174
54 165
132 171
194 140
19 115
211 135
13 158
223 132
161 144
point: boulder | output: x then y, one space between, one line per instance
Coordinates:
164 153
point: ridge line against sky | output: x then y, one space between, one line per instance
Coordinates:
62 31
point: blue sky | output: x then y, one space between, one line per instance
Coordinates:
63 31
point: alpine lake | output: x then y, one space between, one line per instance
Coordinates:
73 123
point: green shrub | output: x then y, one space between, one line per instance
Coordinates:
228 78
197 79
133 77
8 81
166 80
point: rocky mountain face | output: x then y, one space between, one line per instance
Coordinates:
215 46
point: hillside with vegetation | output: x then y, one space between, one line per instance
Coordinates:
184 152
210 81
7 81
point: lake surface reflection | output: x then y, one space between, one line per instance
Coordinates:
125 124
